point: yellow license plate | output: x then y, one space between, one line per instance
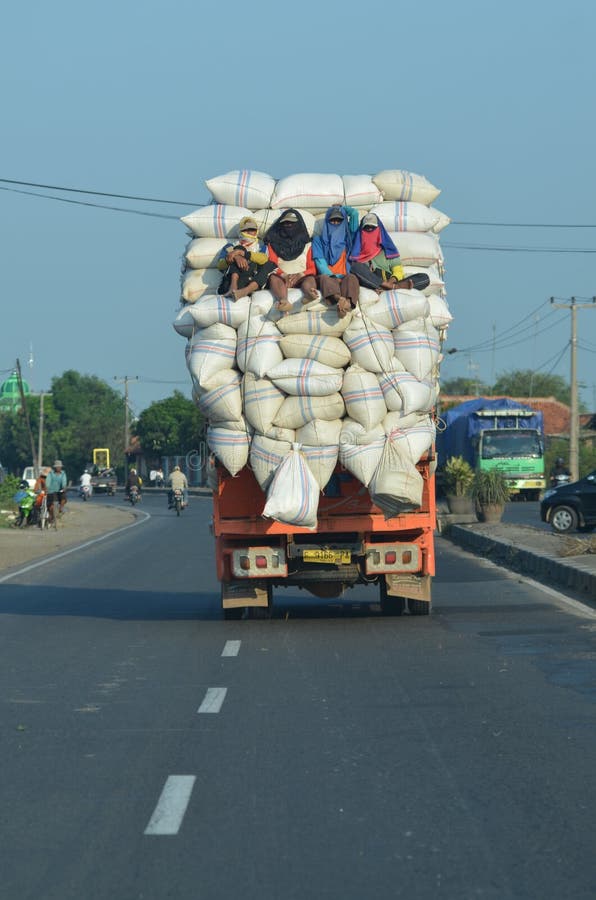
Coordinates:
327 556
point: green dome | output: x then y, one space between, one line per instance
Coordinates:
10 395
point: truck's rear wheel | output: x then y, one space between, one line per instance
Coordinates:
418 607
233 614
390 606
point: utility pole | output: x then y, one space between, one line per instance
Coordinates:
40 434
27 420
124 379
573 305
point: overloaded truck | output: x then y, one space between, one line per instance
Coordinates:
320 425
491 433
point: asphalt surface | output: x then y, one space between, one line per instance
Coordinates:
153 750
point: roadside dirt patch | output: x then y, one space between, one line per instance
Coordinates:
80 522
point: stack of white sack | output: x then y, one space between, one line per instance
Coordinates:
293 394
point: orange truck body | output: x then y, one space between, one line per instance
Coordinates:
352 544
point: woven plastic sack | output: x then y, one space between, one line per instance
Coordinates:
330 351
371 345
360 191
417 350
308 191
266 456
396 486
360 450
436 284
323 320
416 249
293 495
204 253
230 447
319 433
403 391
363 397
400 215
258 346
242 187
398 184
213 308
439 312
393 308
321 461
220 399
413 441
207 355
261 400
306 377
215 220
297 411
198 282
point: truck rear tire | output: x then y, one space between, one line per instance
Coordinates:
390 606
233 614
418 607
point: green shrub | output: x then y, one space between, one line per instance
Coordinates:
8 489
490 487
458 476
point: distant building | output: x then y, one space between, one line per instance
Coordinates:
10 395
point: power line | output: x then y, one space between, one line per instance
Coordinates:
486 247
520 224
137 212
72 190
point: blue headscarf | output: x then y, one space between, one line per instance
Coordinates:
384 241
334 239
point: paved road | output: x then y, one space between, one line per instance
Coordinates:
152 750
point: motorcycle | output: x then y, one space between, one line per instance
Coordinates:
560 479
85 491
134 495
177 500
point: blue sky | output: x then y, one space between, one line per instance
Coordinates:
492 102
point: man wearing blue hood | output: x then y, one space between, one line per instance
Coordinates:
330 250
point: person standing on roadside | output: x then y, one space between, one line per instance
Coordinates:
56 482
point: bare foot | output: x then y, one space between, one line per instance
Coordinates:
310 295
343 307
283 305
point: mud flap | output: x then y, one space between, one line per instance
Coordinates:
414 587
243 593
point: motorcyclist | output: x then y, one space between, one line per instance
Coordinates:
133 480
559 474
177 481
25 498
85 481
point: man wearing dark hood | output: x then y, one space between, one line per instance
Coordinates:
289 248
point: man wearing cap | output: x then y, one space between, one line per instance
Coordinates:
56 483
245 264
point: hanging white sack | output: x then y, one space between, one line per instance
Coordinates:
293 495
436 284
439 312
323 320
242 187
371 345
417 350
215 220
204 253
360 191
262 400
331 351
400 215
360 449
393 308
363 397
399 420
396 486
416 249
414 440
230 447
208 354
403 391
319 432
265 457
308 191
321 462
306 377
398 184
198 282
258 346
220 399
297 411
213 308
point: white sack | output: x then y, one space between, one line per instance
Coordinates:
321 462
322 320
266 456
197 282
393 308
215 220
220 399
262 400
258 346
371 345
184 323
360 450
204 253
213 308
414 440
416 249
293 495
399 215
398 184
360 190
306 377
396 487
281 434
443 222
439 313
403 391
436 286
308 191
330 351
230 447
417 350
205 356
319 432
363 397
297 411
242 188
366 297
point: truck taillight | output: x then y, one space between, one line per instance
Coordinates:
244 562
259 562
390 557
393 557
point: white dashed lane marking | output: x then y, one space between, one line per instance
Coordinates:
213 700
171 806
231 648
